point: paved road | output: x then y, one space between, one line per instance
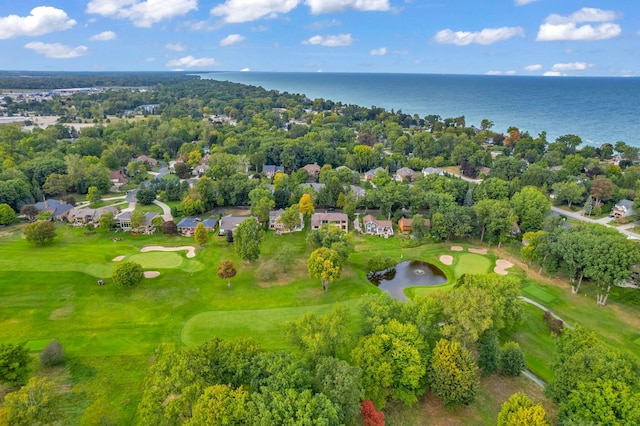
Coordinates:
165 209
624 229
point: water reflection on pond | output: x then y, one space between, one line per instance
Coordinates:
407 274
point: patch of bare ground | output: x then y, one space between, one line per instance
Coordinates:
61 313
117 258
502 266
456 248
484 410
151 274
478 251
271 274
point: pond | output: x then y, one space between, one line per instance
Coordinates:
407 274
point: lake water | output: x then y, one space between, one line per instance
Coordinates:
598 109
407 274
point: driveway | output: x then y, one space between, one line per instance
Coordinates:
166 215
624 229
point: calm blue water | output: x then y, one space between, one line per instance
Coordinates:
602 109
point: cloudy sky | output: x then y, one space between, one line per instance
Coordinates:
521 37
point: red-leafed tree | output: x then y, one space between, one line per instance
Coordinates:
370 416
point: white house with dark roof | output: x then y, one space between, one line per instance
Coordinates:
374 226
274 222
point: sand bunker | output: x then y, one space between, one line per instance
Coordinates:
151 274
478 251
191 250
117 258
502 266
456 248
446 259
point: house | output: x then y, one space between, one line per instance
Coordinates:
405 173
623 208
58 209
270 171
358 192
485 171
340 220
79 216
199 170
123 221
187 226
152 162
432 171
313 170
230 222
316 186
117 179
405 224
375 226
369 175
274 222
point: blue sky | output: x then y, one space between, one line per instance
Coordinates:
520 37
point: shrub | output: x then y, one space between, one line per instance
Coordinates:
127 274
52 354
512 359
267 272
169 228
370 416
555 325
40 233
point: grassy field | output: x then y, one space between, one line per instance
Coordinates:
51 292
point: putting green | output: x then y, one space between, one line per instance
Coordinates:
156 259
637 341
469 263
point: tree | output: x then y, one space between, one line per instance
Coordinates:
52 354
40 232
495 219
340 382
530 206
601 402
453 374
146 195
169 228
226 270
7 215
571 192
94 196
468 312
138 220
30 211
326 265
35 404
370 416
512 359
393 361
107 221
291 406
201 235
127 274
319 336
14 364
332 237
290 218
220 405
519 410
306 205
247 238
489 352
602 189
419 227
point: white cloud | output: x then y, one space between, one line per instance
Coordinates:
103 36
553 74
237 11
550 32
486 36
523 2
331 40
231 39
559 28
245 70
337 6
57 50
493 73
176 47
511 72
41 20
191 62
378 52
150 60
142 13
534 67
573 66
319 25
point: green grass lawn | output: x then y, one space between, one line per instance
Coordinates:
51 293
152 208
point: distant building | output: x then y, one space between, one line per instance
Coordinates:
187 226
375 226
123 221
230 223
58 209
405 173
340 220
80 216
313 170
432 171
274 222
623 208
370 174
270 170
147 160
